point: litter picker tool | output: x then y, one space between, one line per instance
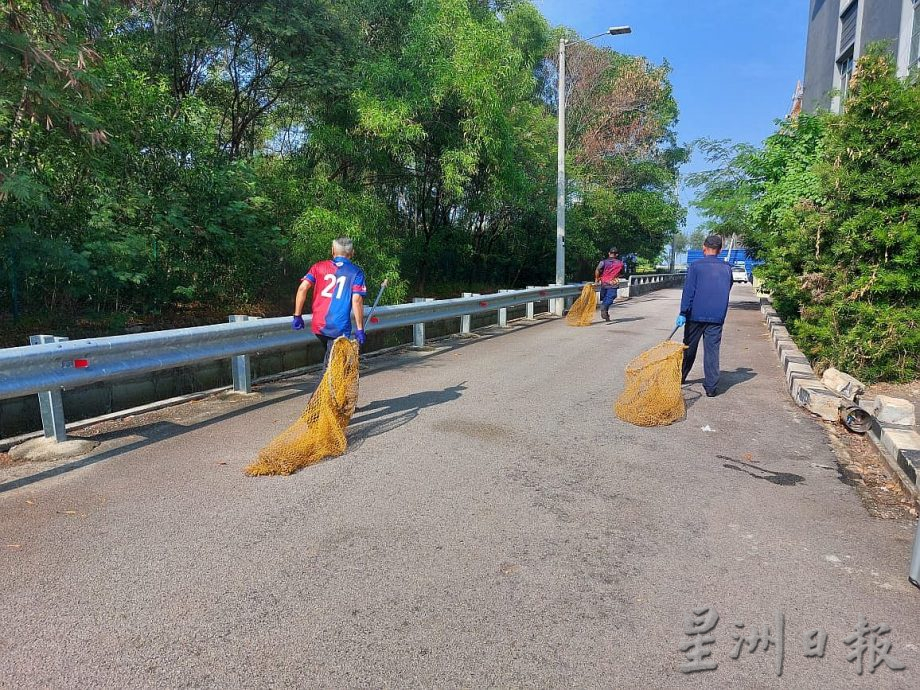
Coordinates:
383 285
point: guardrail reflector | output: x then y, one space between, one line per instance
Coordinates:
483 304
81 363
374 319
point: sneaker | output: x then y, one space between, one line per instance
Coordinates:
711 394
605 315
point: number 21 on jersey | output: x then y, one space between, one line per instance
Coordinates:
331 282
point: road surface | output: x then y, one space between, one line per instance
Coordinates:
493 524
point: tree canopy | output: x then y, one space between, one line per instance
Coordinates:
158 153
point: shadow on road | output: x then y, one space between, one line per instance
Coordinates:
625 319
772 476
449 343
731 378
746 306
690 398
150 433
383 416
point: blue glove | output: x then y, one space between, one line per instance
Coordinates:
297 323
360 337
681 320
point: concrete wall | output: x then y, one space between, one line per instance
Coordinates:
881 22
904 39
820 54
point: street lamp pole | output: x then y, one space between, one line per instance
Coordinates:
560 156
560 174
677 229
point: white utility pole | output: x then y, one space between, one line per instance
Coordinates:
560 175
560 158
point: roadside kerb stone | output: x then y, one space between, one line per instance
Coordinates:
790 355
815 397
901 447
779 335
888 410
898 443
844 384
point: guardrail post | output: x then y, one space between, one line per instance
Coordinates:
466 320
240 365
418 329
556 305
50 402
529 314
503 314
569 301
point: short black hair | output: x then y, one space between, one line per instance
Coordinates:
612 250
713 242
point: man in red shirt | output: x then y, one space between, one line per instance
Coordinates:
607 274
340 290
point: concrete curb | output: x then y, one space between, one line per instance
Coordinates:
804 385
899 445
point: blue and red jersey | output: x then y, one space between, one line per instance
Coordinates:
610 270
334 282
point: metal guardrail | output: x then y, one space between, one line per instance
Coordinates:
650 278
51 364
641 284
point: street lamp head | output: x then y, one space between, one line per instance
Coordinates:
618 30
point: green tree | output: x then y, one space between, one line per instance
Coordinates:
830 203
695 238
727 190
179 155
624 157
861 309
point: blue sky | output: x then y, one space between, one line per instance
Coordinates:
735 64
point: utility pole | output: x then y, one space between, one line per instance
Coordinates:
560 176
560 157
677 229
673 250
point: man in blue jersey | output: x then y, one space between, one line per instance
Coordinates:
340 290
703 306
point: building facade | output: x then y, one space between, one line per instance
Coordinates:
839 31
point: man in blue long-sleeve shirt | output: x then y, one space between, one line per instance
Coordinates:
702 311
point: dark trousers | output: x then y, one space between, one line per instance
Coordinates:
608 294
327 344
711 333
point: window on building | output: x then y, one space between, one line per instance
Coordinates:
845 65
915 37
848 26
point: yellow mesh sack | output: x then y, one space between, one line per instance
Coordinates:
652 396
582 312
319 433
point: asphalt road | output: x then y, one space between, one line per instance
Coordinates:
493 524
